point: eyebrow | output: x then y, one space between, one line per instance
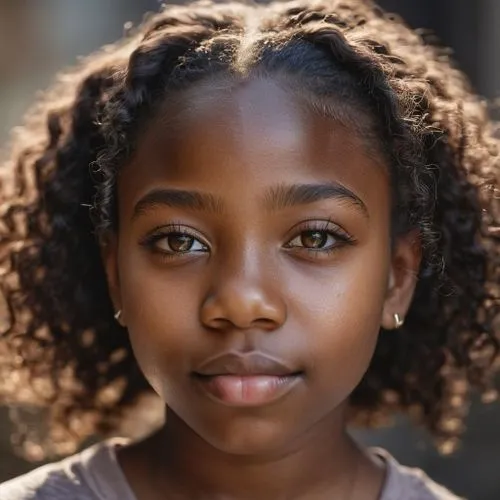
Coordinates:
276 198
177 198
284 196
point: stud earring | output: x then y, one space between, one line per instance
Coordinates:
398 321
118 314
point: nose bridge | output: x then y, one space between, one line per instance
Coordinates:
244 291
244 264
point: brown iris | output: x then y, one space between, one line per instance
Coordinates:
314 239
180 242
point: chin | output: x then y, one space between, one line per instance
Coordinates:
249 437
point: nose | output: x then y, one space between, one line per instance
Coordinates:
243 296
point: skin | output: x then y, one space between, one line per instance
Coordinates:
249 281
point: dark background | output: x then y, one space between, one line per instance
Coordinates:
38 37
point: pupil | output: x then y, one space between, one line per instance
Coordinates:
314 239
180 242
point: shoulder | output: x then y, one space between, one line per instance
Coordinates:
72 478
409 483
54 481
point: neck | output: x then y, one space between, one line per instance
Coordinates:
322 463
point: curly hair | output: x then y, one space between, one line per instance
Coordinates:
61 348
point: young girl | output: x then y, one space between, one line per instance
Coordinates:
281 219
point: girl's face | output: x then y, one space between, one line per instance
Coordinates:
253 264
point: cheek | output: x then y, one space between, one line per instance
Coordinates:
161 312
342 311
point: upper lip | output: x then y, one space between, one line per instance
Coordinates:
251 363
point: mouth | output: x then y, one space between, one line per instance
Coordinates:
248 390
246 380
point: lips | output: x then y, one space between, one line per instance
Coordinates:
249 379
252 363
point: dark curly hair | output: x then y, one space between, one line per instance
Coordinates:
61 348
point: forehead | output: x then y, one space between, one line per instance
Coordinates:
251 131
278 95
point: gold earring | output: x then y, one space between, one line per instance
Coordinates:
118 314
398 321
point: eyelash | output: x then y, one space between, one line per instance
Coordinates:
151 240
326 226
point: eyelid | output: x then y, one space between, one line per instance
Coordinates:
172 228
326 225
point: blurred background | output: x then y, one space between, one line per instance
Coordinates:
38 37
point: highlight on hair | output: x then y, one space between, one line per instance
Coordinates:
60 348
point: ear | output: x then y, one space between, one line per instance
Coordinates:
109 255
405 264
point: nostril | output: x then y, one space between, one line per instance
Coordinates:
265 324
219 324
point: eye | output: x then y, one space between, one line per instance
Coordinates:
314 239
179 243
174 242
318 239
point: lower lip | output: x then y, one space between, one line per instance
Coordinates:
248 390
